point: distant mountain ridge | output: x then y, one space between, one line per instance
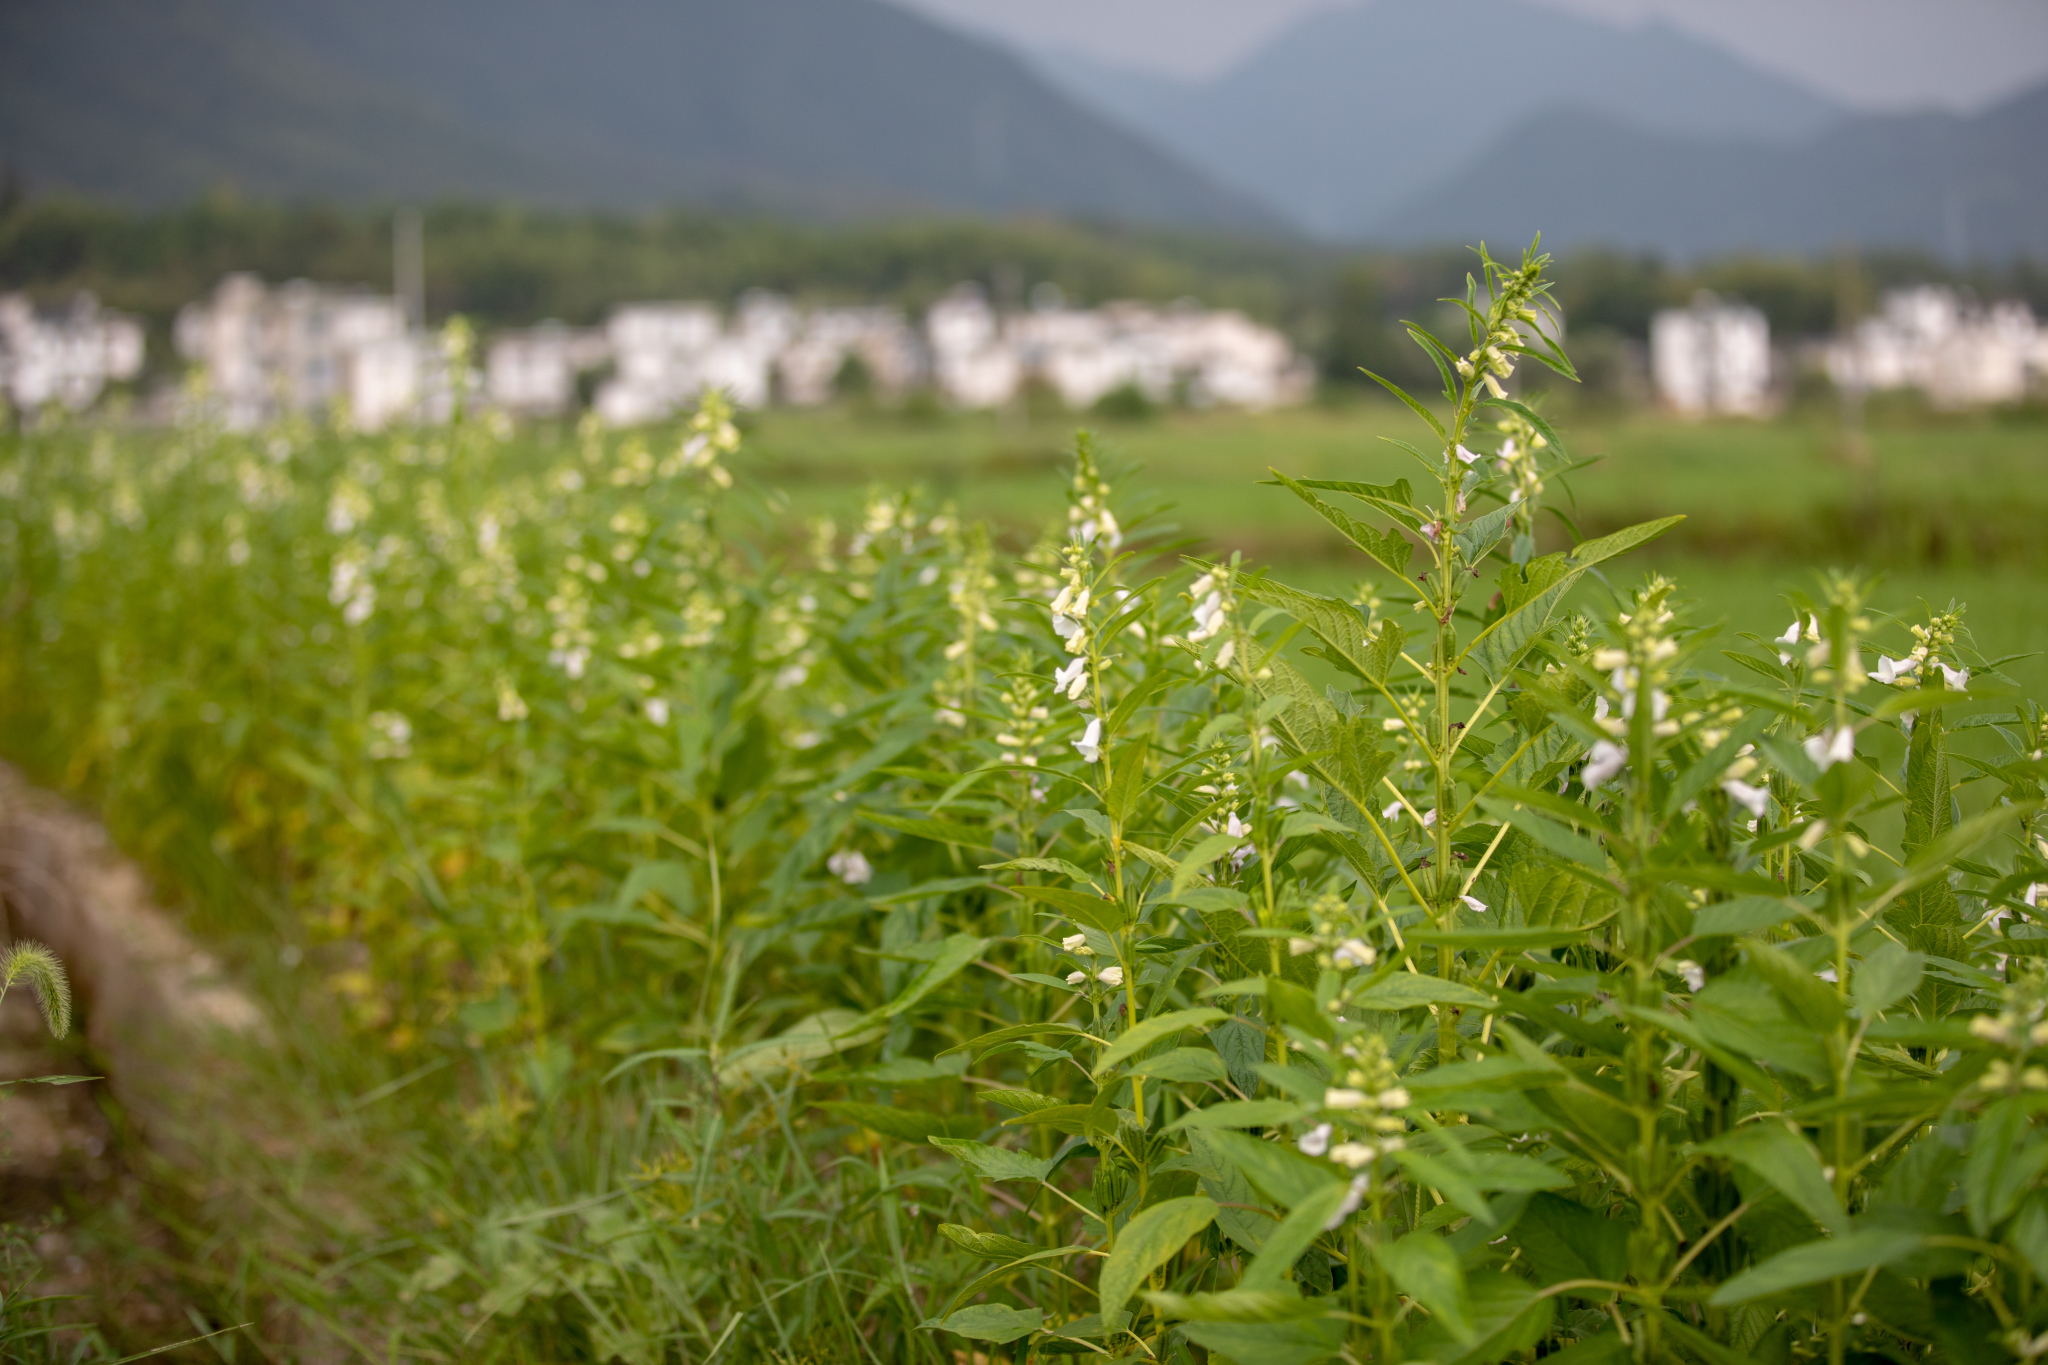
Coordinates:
810 105
1961 186
1343 118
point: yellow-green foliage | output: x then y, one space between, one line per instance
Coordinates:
841 948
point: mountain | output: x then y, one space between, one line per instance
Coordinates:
1350 112
1962 185
815 105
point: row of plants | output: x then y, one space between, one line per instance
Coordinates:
888 944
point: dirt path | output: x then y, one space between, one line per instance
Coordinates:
82 1166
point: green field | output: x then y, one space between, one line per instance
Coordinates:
1947 507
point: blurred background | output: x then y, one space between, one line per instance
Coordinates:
1800 242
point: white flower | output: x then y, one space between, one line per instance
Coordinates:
1791 635
1392 812
1089 745
1353 1197
1076 978
1694 974
1077 944
1225 654
1111 976
1753 799
1830 747
1208 617
1467 456
1890 670
1344 1099
1071 631
1296 947
1474 904
1235 827
1603 761
946 715
657 711
1072 679
1315 1141
1393 1098
1353 1154
2032 895
850 866
1956 678
1428 818
1354 952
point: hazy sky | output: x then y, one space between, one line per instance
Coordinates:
1874 54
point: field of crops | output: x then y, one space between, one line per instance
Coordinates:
718 903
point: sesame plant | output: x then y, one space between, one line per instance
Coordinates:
875 942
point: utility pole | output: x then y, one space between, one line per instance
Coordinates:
409 267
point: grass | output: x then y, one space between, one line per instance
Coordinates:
1937 490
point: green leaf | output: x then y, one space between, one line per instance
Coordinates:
1414 404
1199 858
1096 912
1296 1234
2006 1156
1275 1171
994 1322
1482 533
1270 1343
940 831
977 1046
1815 1262
1425 1268
1242 1304
820 1035
1182 1064
1143 1034
1058 866
994 1163
1239 1114
956 953
1588 553
1507 1320
988 1246
1488 1073
1498 940
1562 1240
1744 915
1336 623
1127 783
1454 1183
1149 1241
1787 1162
1887 975
1811 999
905 1125
1390 550
1396 499
1407 991
1020 1101
1559 839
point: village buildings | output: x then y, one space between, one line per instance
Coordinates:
1930 338
64 357
1712 357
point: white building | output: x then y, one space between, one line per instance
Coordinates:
303 348
979 360
1714 357
881 339
532 372
1928 338
64 357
